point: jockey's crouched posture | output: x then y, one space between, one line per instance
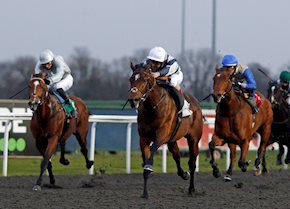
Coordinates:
58 75
242 76
283 81
162 65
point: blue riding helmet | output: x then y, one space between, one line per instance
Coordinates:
229 60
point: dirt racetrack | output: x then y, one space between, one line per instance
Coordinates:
165 191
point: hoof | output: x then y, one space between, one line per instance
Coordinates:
227 178
36 188
279 162
148 168
145 196
191 191
265 173
257 172
216 173
90 164
184 175
64 161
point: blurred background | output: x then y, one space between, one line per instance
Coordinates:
98 39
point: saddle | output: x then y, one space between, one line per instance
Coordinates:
66 107
176 95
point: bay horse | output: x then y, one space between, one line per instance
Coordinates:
50 126
235 124
157 123
281 123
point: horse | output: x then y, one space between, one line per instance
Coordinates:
158 123
280 126
236 125
50 126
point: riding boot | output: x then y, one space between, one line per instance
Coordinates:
186 109
64 95
252 101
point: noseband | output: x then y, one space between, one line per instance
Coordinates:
144 95
34 91
227 91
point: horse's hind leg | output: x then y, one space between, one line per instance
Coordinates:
265 134
287 159
62 159
193 153
173 148
81 137
280 154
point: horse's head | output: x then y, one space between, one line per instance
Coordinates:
141 83
276 94
38 91
222 84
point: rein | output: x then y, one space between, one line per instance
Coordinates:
146 94
46 97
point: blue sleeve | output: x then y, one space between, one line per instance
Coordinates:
251 83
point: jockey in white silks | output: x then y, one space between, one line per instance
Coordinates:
58 74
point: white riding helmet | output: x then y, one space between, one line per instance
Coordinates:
157 54
46 56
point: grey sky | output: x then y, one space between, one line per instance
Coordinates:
253 30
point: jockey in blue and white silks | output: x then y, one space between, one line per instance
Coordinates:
242 76
163 64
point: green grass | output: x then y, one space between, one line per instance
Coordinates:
116 163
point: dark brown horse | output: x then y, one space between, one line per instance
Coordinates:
157 122
236 125
281 123
50 126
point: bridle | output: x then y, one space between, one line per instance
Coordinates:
225 93
280 105
150 87
36 99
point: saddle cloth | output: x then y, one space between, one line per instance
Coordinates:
68 108
259 101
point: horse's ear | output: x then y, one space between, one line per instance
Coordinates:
133 67
217 70
32 75
43 75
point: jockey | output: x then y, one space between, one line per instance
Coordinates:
58 75
243 77
284 80
162 65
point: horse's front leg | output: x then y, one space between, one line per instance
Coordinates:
147 155
173 148
45 164
243 163
216 141
233 155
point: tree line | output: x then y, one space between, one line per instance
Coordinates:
98 80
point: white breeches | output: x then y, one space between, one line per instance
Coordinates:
65 83
176 79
